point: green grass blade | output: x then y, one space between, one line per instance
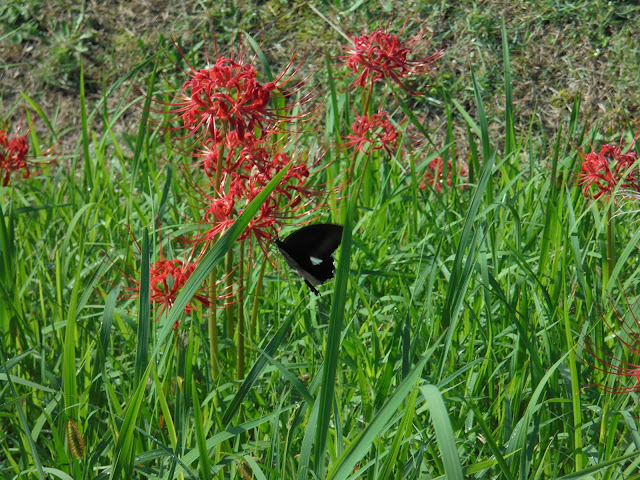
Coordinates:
467 118
444 432
517 442
98 373
205 464
260 54
140 140
588 472
214 256
192 455
88 175
403 432
510 133
144 311
40 112
482 119
123 452
307 443
336 319
69 367
457 280
488 434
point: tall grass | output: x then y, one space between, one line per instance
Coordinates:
448 345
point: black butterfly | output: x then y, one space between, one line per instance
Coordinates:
308 251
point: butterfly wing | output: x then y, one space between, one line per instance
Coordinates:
308 250
319 240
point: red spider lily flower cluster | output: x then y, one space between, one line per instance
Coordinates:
383 56
237 123
245 178
608 170
375 131
167 279
226 103
434 173
627 332
14 153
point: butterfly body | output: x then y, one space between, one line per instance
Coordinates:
308 250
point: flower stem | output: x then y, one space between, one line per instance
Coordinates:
255 328
240 351
610 246
213 328
367 99
365 111
231 328
214 354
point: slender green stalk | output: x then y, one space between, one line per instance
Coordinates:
231 323
255 327
575 389
610 245
212 319
212 324
365 111
240 352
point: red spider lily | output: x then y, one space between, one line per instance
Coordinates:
225 100
434 172
375 131
285 202
254 168
14 153
382 56
627 333
167 279
608 170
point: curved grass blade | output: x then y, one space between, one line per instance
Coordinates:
214 256
334 334
39 112
144 311
444 432
260 54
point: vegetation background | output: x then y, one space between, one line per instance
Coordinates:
477 333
